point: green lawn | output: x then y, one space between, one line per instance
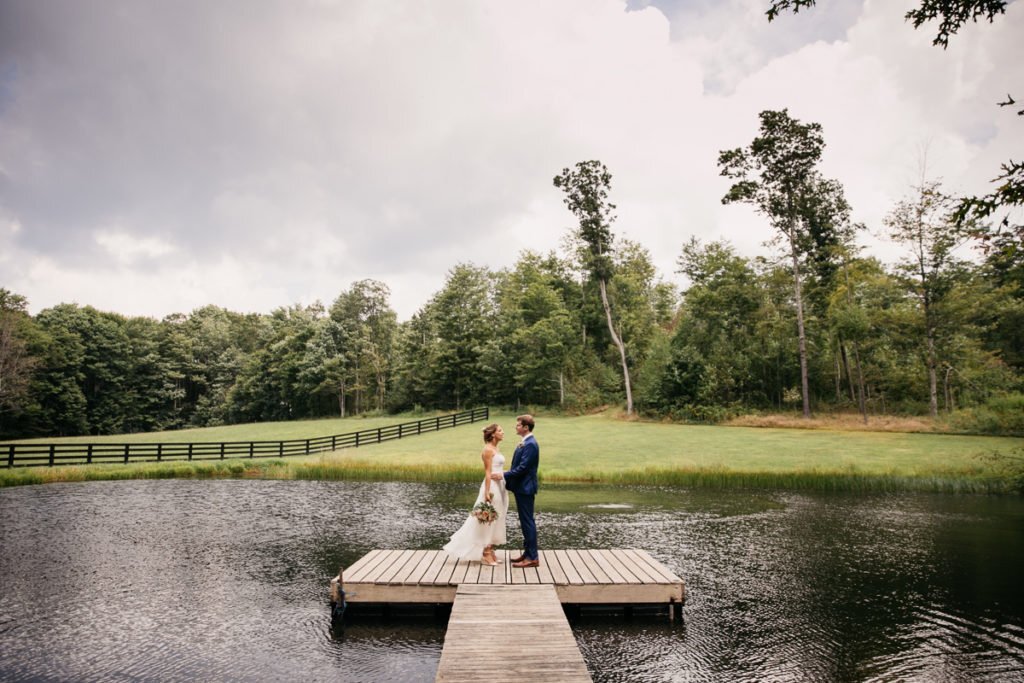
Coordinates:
603 448
258 431
576 446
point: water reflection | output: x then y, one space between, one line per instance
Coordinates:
226 580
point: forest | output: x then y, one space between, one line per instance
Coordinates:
813 323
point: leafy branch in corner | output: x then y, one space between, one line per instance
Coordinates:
952 13
1009 192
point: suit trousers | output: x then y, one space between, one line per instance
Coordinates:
524 504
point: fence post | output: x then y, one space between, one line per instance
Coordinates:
472 414
280 449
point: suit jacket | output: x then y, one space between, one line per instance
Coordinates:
522 478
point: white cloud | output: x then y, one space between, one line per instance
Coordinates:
126 249
291 150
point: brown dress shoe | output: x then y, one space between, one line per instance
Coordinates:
518 559
526 563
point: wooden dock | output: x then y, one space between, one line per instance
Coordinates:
487 623
579 576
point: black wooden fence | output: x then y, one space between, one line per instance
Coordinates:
37 454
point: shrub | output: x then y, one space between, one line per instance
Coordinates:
1009 467
712 414
1000 415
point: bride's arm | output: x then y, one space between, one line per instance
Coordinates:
487 456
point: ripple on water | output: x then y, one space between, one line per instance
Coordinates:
226 580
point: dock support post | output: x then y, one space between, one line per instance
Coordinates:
338 598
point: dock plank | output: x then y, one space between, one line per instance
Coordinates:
549 559
473 572
613 575
403 575
361 562
584 563
486 575
618 566
638 568
485 615
459 573
518 575
430 576
375 558
658 567
579 576
572 575
397 563
544 574
446 570
417 572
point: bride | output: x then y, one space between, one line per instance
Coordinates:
476 540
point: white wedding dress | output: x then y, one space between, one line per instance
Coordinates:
469 541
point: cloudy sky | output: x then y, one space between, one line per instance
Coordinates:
159 156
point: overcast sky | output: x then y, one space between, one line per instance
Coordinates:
159 156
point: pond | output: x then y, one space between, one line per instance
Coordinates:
227 580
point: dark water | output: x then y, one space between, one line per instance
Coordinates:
227 581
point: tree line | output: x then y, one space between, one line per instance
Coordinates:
813 323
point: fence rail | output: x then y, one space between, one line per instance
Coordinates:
43 455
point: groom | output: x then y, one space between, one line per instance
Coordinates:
522 481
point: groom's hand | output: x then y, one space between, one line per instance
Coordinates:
497 476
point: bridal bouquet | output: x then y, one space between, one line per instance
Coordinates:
484 512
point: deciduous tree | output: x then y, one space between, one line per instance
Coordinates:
924 223
775 174
586 189
16 361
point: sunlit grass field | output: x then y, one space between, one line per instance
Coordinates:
257 431
602 448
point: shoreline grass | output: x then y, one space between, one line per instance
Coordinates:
602 449
720 478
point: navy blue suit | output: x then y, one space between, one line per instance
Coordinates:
522 481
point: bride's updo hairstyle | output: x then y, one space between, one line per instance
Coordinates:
489 432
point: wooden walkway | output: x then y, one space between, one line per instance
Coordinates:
493 626
579 576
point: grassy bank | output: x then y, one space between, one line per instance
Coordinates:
603 449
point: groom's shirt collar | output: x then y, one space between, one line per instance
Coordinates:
526 438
